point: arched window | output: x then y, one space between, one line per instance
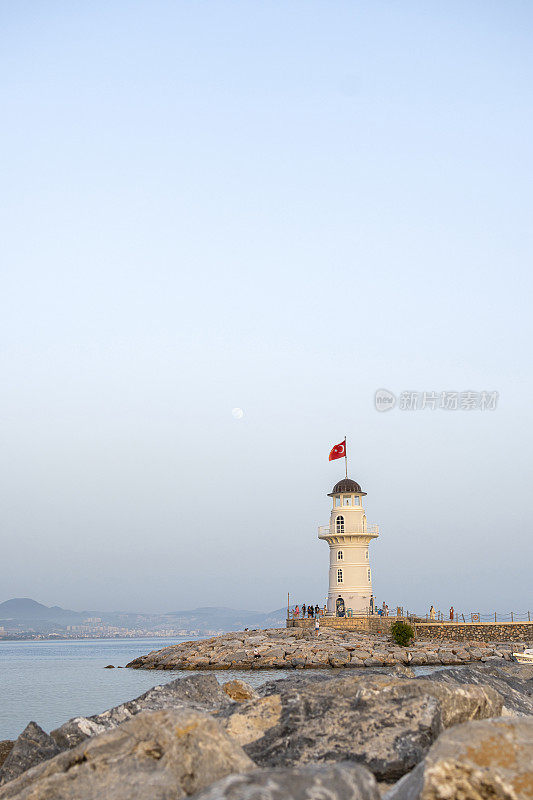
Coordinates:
339 524
339 576
369 576
339 555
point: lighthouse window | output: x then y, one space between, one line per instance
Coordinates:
337 501
369 575
366 555
347 501
357 501
339 524
339 576
339 555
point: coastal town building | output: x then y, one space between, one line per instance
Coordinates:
348 536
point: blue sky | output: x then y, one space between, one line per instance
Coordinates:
280 207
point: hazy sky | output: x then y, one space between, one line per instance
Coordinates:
279 207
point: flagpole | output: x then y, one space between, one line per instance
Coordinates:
345 456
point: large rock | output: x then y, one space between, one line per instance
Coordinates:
385 723
202 692
156 755
32 746
486 760
344 781
514 682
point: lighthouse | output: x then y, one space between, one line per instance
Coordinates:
348 536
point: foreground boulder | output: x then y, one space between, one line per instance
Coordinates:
387 724
514 682
344 781
487 760
32 746
156 755
201 692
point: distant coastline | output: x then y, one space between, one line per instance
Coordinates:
26 619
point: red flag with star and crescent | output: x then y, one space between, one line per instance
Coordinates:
338 451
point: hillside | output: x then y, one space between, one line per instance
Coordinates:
22 614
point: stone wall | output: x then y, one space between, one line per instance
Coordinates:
344 623
449 631
476 631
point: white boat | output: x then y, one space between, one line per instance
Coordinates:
524 658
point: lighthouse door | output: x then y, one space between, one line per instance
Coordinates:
340 607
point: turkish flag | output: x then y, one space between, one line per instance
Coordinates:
339 451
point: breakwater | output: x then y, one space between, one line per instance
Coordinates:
300 648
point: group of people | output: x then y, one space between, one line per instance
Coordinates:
383 611
433 613
309 611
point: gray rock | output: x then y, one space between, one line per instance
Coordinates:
156 755
6 746
202 692
401 671
485 760
385 723
514 682
32 746
344 781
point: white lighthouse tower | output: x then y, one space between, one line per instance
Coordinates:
348 535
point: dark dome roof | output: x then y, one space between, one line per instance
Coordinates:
346 486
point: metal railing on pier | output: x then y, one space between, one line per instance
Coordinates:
464 617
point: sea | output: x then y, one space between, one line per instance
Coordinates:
50 682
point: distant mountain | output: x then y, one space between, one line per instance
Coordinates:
23 608
24 614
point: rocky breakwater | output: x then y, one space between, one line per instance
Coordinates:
302 649
351 735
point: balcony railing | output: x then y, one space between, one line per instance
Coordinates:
370 528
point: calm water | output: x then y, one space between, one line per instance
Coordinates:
50 682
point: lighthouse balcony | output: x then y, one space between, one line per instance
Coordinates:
370 529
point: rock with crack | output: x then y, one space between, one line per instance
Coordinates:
514 682
387 724
156 755
486 760
202 692
32 746
343 781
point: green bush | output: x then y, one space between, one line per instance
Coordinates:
402 633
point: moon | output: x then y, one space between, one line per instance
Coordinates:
237 413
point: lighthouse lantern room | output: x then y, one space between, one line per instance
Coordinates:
348 535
